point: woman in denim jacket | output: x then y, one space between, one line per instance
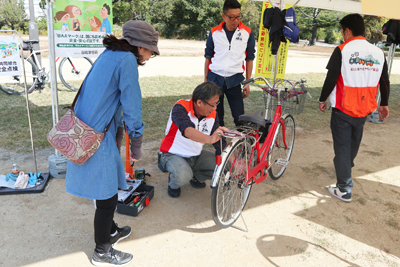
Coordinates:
112 84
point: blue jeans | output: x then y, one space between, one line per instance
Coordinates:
347 133
235 100
182 170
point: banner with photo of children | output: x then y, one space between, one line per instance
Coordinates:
79 27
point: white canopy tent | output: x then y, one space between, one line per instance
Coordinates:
385 8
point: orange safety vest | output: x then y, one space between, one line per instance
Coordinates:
357 85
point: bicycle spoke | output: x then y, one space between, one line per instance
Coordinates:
281 150
231 193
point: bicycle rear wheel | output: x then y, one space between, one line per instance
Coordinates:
230 195
72 75
279 154
15 85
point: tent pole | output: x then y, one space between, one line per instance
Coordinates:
26 93
390 57
374 116
52 64
295 4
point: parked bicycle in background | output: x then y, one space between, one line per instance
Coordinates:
71 71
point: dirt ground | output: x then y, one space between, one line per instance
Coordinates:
291 222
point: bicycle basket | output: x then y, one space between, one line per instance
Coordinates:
292 102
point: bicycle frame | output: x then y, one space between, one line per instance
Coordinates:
33 55
41 70
262 166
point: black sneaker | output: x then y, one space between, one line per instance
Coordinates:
122 233
174 192
196 184
112 258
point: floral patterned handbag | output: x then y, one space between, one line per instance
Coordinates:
76 140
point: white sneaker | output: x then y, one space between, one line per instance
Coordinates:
343 196
22 181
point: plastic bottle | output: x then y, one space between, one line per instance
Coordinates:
14 169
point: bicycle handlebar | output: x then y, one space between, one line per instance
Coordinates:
251 80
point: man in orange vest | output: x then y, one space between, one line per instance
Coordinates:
351 85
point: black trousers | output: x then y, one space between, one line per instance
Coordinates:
347 133
104 224
235 100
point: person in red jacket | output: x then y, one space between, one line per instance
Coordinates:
352 85
191 124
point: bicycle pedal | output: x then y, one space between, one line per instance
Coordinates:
282 162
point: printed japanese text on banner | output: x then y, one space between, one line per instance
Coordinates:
80 25
10 63
264 58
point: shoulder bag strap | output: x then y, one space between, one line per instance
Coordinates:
73 106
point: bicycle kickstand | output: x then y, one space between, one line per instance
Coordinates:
245 225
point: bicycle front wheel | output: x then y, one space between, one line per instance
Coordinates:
73 72
15 85
230 195
282 147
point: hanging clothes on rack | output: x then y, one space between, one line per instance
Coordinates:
274 20
392 29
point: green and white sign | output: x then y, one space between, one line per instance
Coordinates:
80 25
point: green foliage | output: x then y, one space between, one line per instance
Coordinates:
186 18
373 28
309 20
192 19
122 12
42 26
12 14
251 15
331 36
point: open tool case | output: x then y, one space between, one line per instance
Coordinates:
131 207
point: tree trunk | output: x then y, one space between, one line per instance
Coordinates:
313 40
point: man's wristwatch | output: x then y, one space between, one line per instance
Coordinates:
321 102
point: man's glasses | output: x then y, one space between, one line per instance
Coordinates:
216 104
153 55
233 18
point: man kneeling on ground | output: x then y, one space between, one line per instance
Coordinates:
191 124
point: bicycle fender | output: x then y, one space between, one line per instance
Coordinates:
224 154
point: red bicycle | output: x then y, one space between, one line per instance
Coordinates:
247 158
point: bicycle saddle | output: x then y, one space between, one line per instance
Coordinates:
30 41
255 117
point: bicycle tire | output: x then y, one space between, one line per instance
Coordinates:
279 154
69 73
15 85
230 195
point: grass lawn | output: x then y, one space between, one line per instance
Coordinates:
159 95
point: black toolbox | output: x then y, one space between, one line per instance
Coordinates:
128 207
